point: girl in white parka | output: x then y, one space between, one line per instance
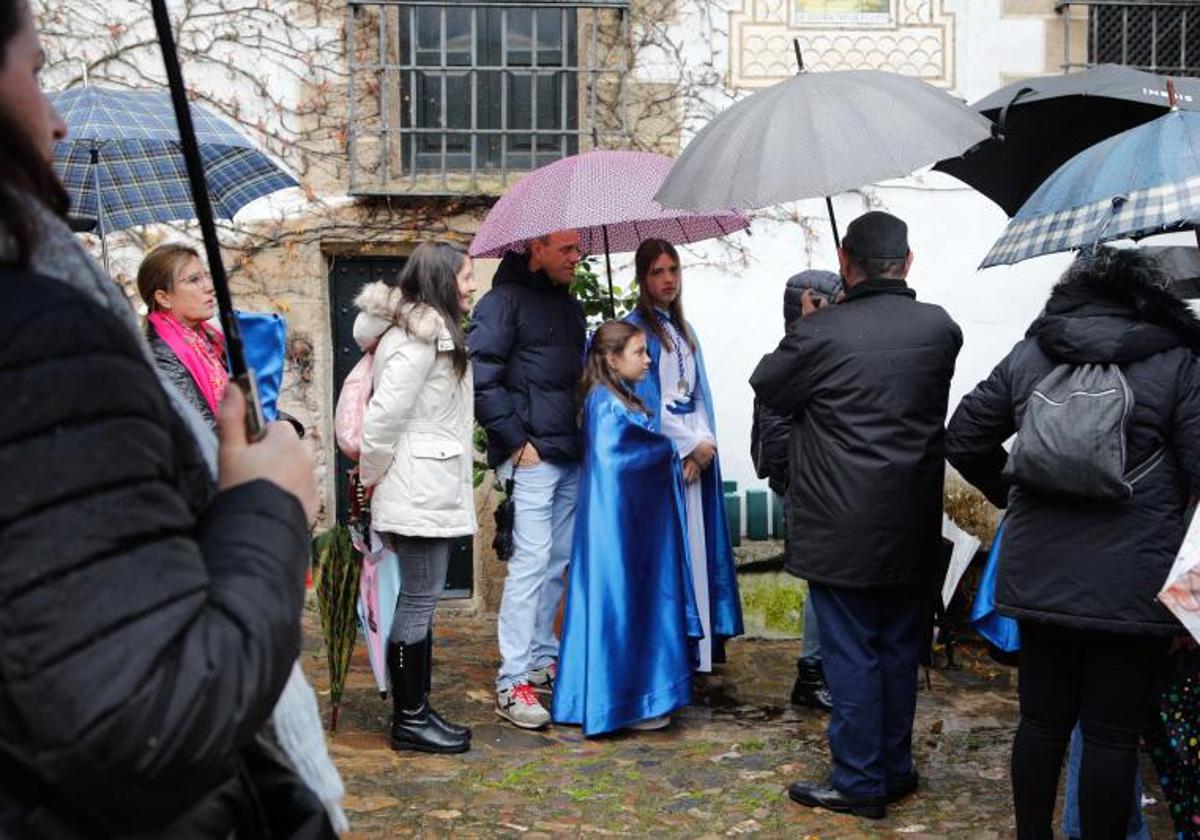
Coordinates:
416 457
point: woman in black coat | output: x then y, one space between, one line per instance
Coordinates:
1081 576
148 620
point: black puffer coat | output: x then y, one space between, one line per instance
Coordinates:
526 341
146 628
867 382
1085 564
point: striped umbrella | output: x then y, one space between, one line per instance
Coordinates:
122 164
1141 182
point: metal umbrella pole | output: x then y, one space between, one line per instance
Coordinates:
837 240
612 302
239 372
95 154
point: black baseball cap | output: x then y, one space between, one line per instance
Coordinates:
877 236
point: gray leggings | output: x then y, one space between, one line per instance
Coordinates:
423 563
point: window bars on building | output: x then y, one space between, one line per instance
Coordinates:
1162 36
455 98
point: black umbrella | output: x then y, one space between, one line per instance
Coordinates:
1041 123
239 371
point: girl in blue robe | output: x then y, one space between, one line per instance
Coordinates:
630 624
676 392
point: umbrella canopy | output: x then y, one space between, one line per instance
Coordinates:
1143 181
1042 122
139 175
608 196
819 134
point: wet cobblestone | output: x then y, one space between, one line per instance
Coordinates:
721 769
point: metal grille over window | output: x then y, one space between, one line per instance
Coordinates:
457 98
1154 35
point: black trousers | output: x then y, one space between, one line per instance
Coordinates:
1108 682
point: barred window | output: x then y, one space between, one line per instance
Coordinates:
1157 35
468 92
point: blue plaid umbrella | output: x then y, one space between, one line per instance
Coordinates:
122 164
1143 181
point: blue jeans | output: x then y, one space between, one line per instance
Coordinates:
1070 820
871 641
544 526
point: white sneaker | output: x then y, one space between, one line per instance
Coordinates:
519 706
651 724
543 679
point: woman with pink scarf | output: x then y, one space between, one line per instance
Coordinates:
178 293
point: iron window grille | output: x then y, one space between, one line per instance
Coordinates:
1162 36
449 97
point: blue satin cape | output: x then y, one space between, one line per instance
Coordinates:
630 620
998 629
725 605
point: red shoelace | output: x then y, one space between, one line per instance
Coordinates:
524 693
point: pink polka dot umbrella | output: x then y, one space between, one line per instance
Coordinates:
608 196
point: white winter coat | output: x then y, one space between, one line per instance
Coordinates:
417 447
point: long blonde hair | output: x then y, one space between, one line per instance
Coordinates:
612 337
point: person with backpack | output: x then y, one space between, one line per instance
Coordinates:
416 455
867 384
631 626
770 435
1103 394
527 339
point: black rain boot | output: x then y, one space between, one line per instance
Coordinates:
810 688
412 726
452 728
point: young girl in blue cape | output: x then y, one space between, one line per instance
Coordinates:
630 625
676 393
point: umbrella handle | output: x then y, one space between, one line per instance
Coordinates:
242 375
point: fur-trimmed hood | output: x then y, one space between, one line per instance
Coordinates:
1114 308
381 306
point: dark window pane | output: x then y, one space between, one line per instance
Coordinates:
458 36
458 110
519 42
520 109
549 36
429 109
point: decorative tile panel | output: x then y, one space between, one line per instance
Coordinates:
918 41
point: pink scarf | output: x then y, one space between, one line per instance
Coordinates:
202 351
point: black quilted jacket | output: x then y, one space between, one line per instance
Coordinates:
146 627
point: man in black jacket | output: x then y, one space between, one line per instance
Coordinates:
867 383
769 442
526 341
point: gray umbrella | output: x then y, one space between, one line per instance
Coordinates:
819 134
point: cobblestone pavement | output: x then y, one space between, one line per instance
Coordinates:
720 770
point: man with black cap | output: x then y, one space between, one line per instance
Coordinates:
867 384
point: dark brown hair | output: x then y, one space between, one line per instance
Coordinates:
158 269
24 173
430 276
611 337
647 253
